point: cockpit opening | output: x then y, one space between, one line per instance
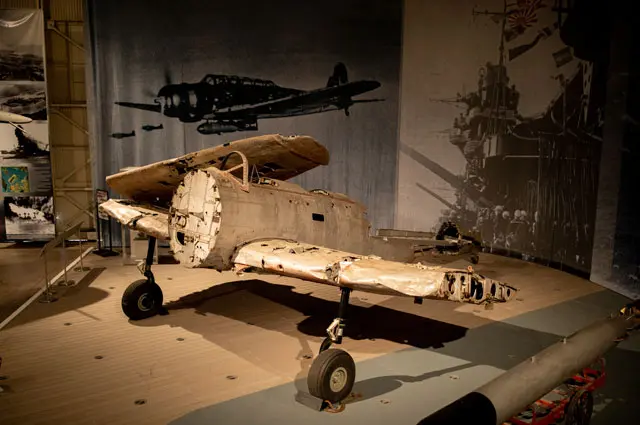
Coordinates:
236 80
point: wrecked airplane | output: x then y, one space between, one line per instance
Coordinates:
230 208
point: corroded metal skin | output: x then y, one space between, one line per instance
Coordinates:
212 214
158 181
223 212
147 219
370 273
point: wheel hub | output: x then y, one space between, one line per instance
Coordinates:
145 302
338 379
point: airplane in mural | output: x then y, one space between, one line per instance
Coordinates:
230 207
123 135
229 103
13 119
27 145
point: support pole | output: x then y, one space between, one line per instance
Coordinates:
342 312
149 260
99 229
110 239
48 296
103 249
66 281
81 264
82 268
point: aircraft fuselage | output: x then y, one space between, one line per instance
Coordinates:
229 103
211 215
192 102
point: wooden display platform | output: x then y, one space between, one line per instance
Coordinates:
80 361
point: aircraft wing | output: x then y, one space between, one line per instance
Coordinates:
309 100
368 273
148 219
274 156
328 266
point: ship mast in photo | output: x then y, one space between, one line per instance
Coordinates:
521 172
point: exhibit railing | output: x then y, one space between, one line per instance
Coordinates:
46 294
60 239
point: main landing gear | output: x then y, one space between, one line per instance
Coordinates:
143 298
333 372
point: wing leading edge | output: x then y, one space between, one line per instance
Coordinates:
333 267
147 219
273 155
370 274
307 100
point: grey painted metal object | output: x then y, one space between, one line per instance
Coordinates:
510 393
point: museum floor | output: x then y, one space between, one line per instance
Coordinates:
235 352
22 272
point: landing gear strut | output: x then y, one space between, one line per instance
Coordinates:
143 298
333 372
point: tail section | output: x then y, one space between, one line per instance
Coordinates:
339 76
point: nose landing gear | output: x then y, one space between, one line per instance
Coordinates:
143 298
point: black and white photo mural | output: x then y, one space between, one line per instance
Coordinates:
26 190
175 77
500 129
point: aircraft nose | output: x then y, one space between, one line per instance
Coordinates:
14 118
164 92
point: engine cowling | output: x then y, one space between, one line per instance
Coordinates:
194 220
212 213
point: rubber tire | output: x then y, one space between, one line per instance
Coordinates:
323 366
134 292
574 413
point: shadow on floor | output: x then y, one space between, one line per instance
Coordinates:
408 399
22 271
252 302
381 385
363 322
68 298
414 395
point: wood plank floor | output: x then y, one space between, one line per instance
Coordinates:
79 361
22 272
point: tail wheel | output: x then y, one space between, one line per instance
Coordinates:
142 299
332 375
